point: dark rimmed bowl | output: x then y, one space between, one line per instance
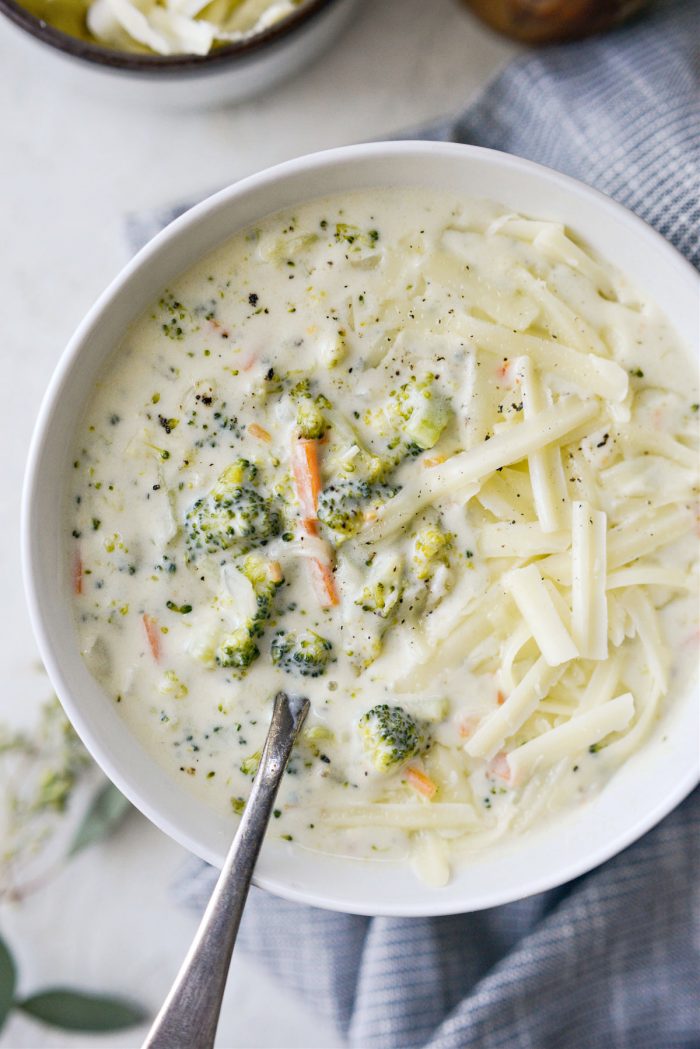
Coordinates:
228 74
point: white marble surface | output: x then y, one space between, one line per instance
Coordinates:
72 167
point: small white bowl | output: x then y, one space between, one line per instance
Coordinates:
227 74
652 782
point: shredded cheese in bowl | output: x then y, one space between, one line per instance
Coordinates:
432 464
164 27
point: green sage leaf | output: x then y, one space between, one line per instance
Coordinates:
77 1011
104 815
8 980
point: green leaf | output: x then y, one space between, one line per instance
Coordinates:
106 812
8 979
76 1011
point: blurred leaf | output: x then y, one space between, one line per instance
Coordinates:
106 812
55 790
8 978
75 1011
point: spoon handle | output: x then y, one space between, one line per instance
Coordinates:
190 1014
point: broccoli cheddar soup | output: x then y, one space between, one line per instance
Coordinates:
431 464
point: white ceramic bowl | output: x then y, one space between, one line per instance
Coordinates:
639 795
182 82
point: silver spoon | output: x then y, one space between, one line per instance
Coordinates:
189 1016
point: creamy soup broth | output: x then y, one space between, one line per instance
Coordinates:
426 461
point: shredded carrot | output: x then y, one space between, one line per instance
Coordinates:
499 766
321 572
77 573
502 370
324 584
420 782
258 431
307 475
500 698
153 635
248 362
307 478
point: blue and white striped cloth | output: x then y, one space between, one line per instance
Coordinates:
611 960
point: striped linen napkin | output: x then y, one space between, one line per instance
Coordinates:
612 959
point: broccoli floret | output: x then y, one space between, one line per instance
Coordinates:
379 598
250 765
266 578
347 454
235 474
362 638
390 736
306 653
431 547
311 422
344 507
233 514
420 412
424 411
384 586
237 650
354 236
171 685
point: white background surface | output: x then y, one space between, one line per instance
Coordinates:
71 168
